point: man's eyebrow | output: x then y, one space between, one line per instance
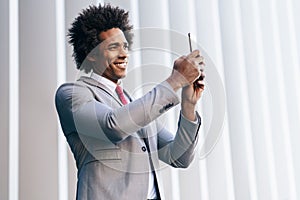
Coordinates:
117 43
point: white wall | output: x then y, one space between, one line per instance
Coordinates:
4 102
253 72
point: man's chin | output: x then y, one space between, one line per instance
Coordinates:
122 76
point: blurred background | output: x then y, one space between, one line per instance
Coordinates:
254 47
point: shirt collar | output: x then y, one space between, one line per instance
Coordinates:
108 83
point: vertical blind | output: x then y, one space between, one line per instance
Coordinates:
249 140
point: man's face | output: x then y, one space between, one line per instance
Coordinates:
113 58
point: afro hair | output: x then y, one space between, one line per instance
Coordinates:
84 32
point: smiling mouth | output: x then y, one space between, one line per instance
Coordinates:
121 64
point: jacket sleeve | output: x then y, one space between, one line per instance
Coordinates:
179 151
93 118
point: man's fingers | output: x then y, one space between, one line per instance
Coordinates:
202 76
194 54
200 60
199 84
196 58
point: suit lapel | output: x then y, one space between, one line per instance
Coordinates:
101 86
140 134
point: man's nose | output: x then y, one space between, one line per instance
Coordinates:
123 52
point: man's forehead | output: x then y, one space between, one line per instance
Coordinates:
116 39
114 34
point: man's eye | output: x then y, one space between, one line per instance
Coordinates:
113 48
116 47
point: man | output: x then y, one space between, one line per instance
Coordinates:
117 141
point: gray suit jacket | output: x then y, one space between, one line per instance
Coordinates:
107 138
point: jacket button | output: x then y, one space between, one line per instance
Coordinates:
144 149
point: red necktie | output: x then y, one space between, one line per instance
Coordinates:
121 95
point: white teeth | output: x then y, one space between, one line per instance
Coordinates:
121 64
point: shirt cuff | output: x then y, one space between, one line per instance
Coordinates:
197 121
171 90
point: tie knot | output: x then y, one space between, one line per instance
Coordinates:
119 89
121 95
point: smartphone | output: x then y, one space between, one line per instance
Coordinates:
196 84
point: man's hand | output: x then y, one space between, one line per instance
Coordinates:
186 70
192 93
188 75
189 97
